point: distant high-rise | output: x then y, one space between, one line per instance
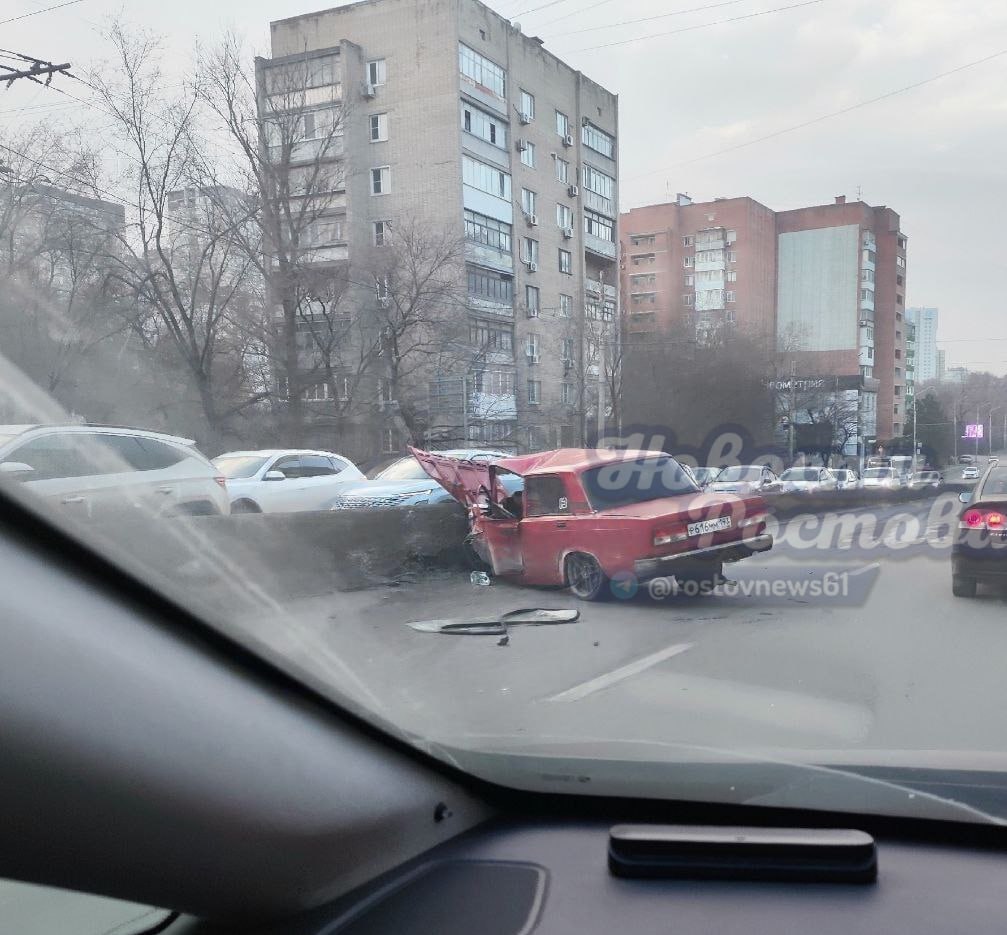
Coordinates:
925 320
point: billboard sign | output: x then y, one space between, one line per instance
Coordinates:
973 430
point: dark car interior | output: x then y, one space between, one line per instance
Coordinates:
148 758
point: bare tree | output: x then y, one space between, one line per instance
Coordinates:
285 124
180 263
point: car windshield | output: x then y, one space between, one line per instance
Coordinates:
801 474
600 240
740 474
240 466
624 482
403 469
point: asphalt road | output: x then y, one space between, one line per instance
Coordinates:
897 663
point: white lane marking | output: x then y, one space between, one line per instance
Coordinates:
617 675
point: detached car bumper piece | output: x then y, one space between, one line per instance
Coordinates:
724 552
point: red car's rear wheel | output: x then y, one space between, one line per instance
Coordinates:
585 577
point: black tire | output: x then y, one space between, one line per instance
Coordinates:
962 586
245 506
584 577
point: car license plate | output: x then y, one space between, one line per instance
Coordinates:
709 525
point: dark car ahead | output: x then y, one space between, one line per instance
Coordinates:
979 552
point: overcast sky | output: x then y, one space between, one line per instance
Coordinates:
936 154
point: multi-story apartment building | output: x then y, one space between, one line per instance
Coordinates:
926 320
825 284
841 285
454 122
697 266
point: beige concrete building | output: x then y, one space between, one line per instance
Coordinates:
454 119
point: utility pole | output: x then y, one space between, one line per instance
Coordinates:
913 462
977 435
601 361
793 404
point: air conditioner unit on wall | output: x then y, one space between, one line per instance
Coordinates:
568 233
568 140
573 191
368 90
532 266
532 220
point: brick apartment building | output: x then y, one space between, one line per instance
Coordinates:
826 284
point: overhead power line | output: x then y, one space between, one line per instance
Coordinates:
535 9
828 116
720 22
647 19
586 9
48 9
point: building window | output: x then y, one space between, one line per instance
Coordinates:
562 170
562 124
484 126
867 371
898 354
688 241
644 259
597 225
898 299
488 231
870 353
483 284
381 180
898 389
528 201
528 155
899 280
598 140
495 382
531 301
902 243
381 231
690 279
486 178
600 184
527 108
481 71
900 261
377 72
323 232
532 347
866 295
732 236
534 392
867 275
896 409
567 394
870 334
565 305
568 350
688 262
732 256
689 298
565 261
379 128
564 217
491 337
529 250
729 297
642 240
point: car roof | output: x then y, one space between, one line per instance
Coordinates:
572 460
22 429
273 452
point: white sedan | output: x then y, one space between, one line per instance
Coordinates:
288 481
808 480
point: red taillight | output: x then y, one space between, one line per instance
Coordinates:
222 481
973 519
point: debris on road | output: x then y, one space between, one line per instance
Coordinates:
497 626
503 641
480 578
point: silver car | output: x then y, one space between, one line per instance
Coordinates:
808 480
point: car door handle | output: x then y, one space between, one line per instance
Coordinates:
561 525
67 501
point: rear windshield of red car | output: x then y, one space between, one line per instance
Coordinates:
624 482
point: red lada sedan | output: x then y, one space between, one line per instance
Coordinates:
579 517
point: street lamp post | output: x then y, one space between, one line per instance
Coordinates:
992 410
913 462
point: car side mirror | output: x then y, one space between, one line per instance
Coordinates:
275 475
964 496
17 469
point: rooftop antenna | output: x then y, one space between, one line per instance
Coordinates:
860 194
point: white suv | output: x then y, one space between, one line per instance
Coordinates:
91 471
289 481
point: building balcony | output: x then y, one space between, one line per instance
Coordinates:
491 257
595 288
599 203
482 95
866 317
500 308
599 246
709 265
718 244
867 305
492 407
